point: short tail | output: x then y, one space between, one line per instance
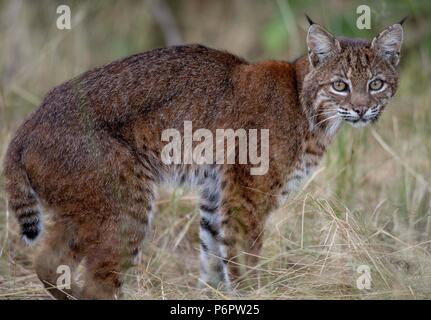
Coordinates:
22 200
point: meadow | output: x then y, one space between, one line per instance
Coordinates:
367 207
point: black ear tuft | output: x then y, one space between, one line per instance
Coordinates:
311 22
403 20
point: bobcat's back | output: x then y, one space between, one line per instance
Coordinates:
141 83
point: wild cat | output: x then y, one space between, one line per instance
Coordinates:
90 155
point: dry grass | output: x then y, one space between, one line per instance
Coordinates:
368 204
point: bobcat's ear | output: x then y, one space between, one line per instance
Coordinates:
388 43
321 44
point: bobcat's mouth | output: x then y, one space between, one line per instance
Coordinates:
356 120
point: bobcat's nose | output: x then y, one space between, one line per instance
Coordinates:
360 110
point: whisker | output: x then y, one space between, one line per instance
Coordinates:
324 113
327 119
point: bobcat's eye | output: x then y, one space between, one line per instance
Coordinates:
376 84
340 86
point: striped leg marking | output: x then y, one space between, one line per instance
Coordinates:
213 256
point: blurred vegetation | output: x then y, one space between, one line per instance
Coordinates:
369 203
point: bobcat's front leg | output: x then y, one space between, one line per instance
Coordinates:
243 233
213 254
231 230
231 238
243 218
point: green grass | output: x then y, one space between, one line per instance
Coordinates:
368 204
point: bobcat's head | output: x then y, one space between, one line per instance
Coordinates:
350 80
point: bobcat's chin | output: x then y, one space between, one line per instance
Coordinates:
360 123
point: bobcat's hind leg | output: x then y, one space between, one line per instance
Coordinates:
56 262
119 237
112 255
115 245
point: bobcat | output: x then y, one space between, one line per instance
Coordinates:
90 154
